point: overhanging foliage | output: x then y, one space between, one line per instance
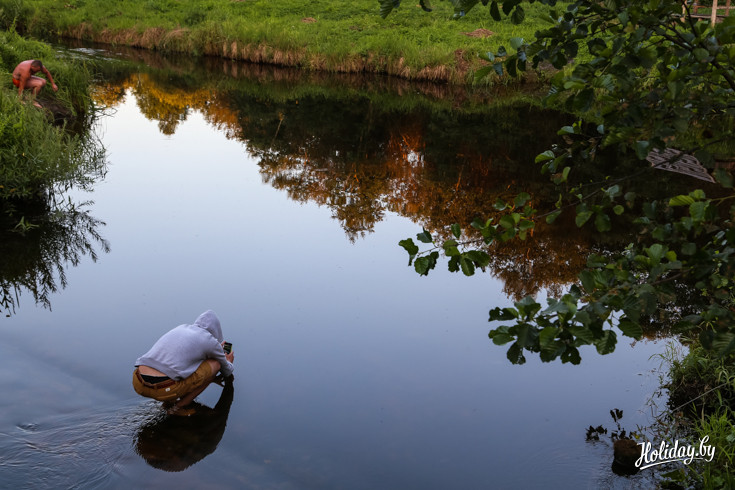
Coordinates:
652 78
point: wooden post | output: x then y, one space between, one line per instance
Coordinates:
714 12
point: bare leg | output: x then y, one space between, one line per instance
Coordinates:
35 84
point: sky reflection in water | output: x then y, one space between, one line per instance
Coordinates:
351 370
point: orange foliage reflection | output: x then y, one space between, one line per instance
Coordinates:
363 162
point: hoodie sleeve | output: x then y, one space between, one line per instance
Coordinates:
218 353
209 322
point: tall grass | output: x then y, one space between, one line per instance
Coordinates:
702 387
37 157
320 34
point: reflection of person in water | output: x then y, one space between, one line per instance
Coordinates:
175 443
182 363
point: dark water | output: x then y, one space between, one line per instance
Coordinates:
279 204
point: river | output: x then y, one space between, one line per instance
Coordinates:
279 204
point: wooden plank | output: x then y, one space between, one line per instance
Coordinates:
714 12
675 160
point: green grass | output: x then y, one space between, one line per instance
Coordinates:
702 390
321 34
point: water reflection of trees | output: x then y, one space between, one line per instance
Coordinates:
35 260
364 152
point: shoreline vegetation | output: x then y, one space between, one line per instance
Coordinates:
348 37
43 152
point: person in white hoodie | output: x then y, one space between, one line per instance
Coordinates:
183 362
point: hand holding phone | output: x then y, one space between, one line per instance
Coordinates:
227 346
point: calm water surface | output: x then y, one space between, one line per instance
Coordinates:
351 370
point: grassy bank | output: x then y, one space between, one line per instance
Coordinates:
702 392
317 35
38 158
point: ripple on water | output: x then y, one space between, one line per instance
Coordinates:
84 449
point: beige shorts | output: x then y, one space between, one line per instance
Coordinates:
170 390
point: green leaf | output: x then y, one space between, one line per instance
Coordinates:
478 257
552 216
498 314
527 335
468 268
588 280
488 56
583 100
527 307
526 224
681 200
701 54
582 333
511 63
521 199
422 265
642 148
516 42
618 209
500 337
582 218
689 248
456 230
426 263
424 237
495 11
410 247
450 248
565 173
507 222
606 343
630 329
483 72
545 156
453 264
518 15
515 354
571 354
602 222
386 7
547 335
698 194
697 209
551 351
656 252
